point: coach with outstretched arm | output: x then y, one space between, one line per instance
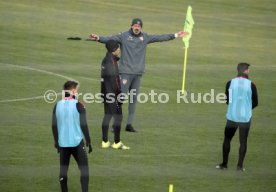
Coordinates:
132 64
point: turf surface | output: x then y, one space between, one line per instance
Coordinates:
177 144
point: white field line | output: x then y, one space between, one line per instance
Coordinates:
23 99
37 70
40 70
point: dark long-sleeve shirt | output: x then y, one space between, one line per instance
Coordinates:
110 83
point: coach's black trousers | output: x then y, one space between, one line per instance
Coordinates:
80 156
114 110
229 132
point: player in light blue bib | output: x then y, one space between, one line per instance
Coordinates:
242 97
69 127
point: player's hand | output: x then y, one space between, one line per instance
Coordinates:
57 147
90 149
122 98
94 37
182 34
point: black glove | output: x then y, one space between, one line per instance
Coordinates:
122 98
57 147
89 147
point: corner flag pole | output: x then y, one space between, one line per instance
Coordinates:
184 69
171 188
188 27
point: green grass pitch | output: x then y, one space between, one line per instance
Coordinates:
177 144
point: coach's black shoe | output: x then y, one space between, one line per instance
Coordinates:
242 169
129 128
221 166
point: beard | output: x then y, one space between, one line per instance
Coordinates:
136 31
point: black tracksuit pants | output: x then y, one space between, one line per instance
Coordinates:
114 110
80 156
229 132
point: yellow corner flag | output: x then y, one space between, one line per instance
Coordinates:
188 27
